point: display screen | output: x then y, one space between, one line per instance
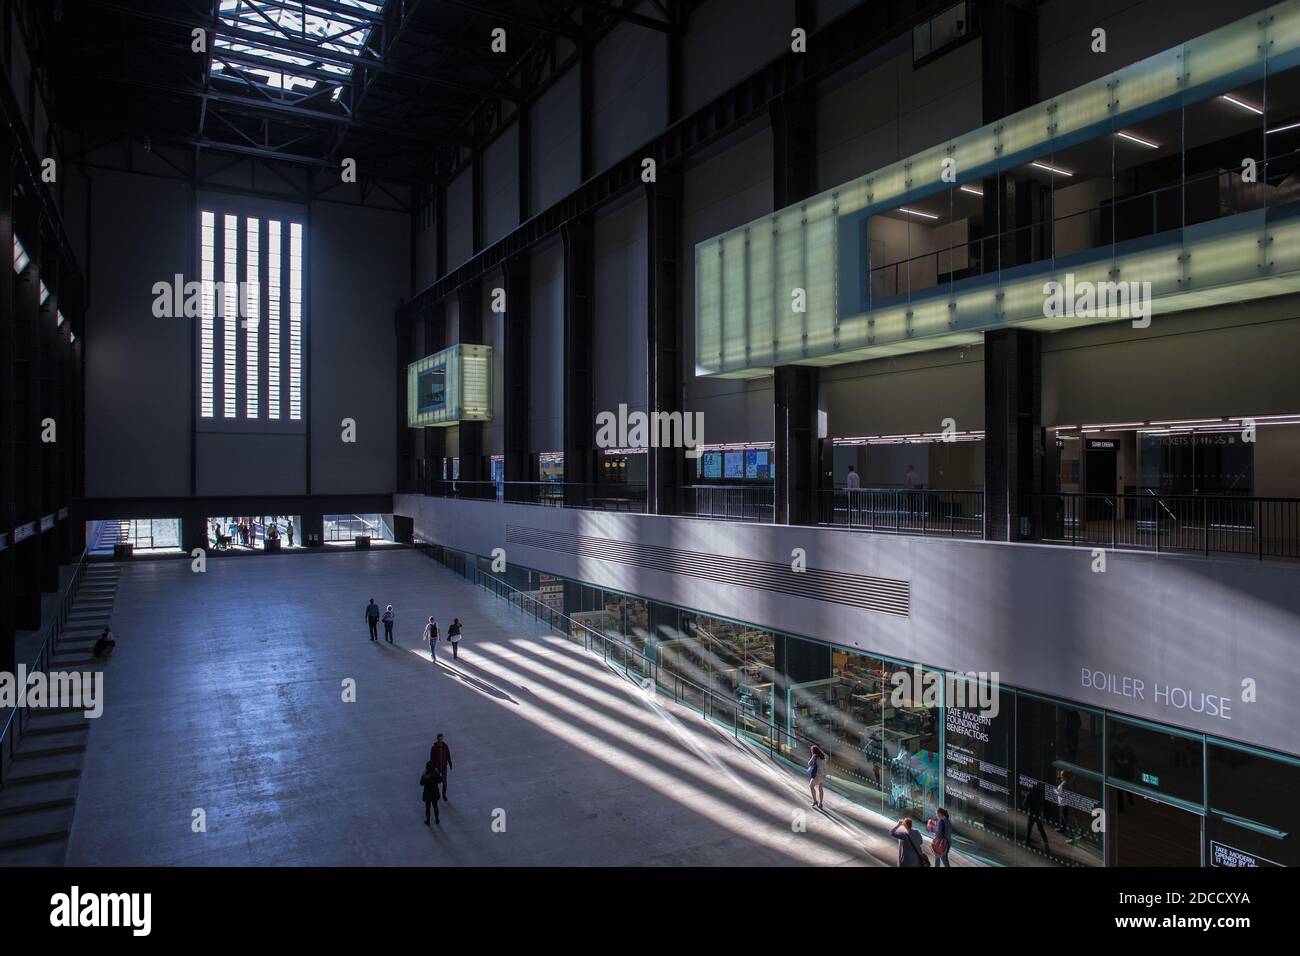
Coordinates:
712 461
733 464
431 390
756 464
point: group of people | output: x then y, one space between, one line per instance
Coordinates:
911 848
431 636
243 531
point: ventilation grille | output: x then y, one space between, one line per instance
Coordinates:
886 595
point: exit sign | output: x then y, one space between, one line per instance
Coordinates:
1152 779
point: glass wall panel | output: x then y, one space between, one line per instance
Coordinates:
1158 760
979 772
1253 800
1059 757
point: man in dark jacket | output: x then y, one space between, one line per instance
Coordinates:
440 757
372 618
429 780
910 845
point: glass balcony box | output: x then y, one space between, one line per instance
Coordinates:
449 387
803 285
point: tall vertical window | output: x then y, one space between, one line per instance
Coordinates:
295 321
273 319
207 314
252 314
250 357
230 315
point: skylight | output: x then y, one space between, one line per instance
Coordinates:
21 258
275 56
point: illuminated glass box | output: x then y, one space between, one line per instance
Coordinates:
449 387
904 259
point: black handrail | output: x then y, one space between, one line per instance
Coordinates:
17 718
1208 524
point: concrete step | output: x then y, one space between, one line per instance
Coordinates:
40 791
65 662
47 854
46 729
54 711
19 809
28 779
48 849
38 721
35 826
34 764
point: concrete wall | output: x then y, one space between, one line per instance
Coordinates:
138 379
1035 614
553 122
620 345
726 40
881 109
141 370
732 186
1205 363
546 368
630 91
460 219
501 185
1134 31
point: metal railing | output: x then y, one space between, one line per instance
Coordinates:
902 510
17 718
730 502
614 496
1260 527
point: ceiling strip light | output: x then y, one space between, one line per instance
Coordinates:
1242 103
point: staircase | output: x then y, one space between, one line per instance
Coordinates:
111 533
39 792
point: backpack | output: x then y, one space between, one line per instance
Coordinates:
919 847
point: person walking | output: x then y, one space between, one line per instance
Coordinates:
372 619
289 531
910 845
431 638
429 781
453 635
941 827
440 756
817 776
854 480
388 624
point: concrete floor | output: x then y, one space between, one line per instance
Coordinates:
226 694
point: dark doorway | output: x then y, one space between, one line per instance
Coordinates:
1145 832
1099 476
